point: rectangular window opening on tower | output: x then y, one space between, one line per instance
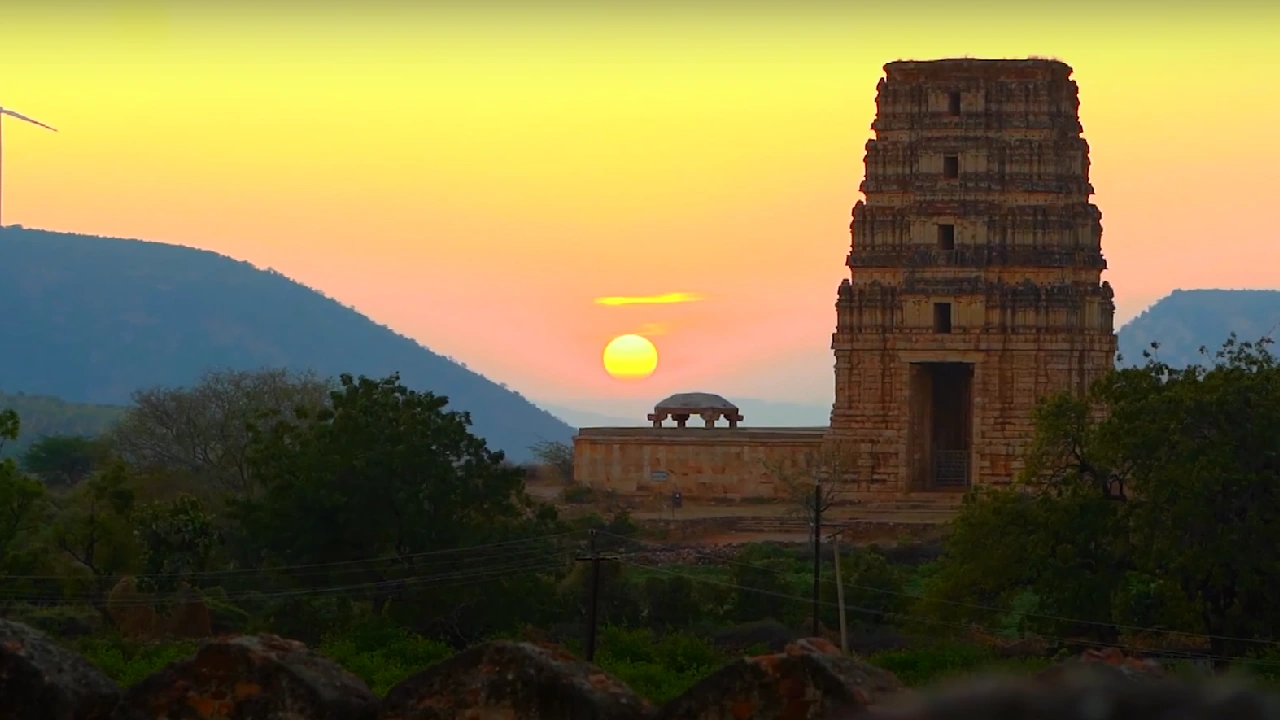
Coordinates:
946 237
953 104
942 318
951 167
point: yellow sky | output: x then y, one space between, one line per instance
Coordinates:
476 174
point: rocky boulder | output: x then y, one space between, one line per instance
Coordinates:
1082 692
40 680
250 677
808 681
1108 660
513 681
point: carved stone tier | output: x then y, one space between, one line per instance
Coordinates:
976 263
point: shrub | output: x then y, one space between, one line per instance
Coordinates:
381 653
926 666
657 669
128 663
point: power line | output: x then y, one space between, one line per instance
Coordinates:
989 608
233 572
434 581
963 626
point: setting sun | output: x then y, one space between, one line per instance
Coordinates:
630 357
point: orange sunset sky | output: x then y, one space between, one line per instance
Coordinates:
475 174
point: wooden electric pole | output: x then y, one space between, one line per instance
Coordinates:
593 595
844 632
817 555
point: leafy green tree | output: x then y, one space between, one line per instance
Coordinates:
64 460
201 434
22 501
10 426
872 585
1153 501
93 529
179 538
387 472
1205 474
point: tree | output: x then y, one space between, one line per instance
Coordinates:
819 482
93 529
10 426
556 455
64 460
21 499
387 472
178 539
1152 501
201 433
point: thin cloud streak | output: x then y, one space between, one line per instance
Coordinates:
663 299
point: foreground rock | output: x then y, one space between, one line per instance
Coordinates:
808 681
1107 660
249 677
513 681
40 680
1083 692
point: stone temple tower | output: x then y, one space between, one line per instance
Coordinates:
976 263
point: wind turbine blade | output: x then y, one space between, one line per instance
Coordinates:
20 116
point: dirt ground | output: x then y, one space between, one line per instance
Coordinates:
883 523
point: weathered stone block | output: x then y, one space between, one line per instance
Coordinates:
41 680
250 677
1082 694
808 681
513 681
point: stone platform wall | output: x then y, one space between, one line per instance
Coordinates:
701 463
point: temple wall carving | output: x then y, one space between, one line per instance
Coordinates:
975 269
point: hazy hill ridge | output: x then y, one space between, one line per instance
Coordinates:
1185 320
90 319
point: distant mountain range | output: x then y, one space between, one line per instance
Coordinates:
1185 320
90 320
85 321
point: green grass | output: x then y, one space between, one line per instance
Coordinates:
655 668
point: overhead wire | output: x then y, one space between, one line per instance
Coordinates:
974 606
432 581
358 563
1183 654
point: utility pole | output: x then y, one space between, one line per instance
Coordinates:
593 595
817 553
844 632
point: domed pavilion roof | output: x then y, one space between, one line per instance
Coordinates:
695 401
681 406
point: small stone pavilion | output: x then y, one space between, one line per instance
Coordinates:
704 405
974 290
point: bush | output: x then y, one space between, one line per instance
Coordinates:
576 494
60 621
657 669
926 666
128 663
382 653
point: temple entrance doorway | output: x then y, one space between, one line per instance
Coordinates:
941 430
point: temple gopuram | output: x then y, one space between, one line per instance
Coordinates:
974 290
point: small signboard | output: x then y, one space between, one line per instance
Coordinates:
658 475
